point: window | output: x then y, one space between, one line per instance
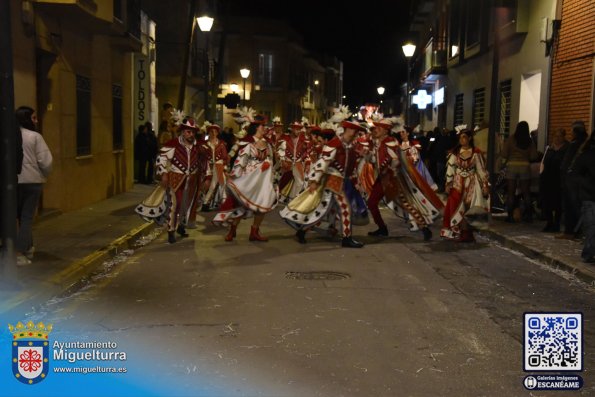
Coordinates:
117 138
458 116
118 9
473 23
505 98
455 29
83 116
478 116
265 70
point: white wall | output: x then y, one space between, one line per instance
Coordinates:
530 100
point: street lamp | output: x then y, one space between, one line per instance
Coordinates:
205 23
380 92
408 50
245 73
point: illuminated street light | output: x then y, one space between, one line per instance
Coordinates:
245 74
205 23
408 50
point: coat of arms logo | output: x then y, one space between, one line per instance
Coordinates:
30 351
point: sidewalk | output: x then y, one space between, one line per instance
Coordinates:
70 246
528 239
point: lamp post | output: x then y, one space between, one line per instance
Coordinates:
245 73
205 23
380 91
408 50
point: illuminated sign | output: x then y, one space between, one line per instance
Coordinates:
422 99
439 97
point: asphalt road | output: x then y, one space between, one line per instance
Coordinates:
399 317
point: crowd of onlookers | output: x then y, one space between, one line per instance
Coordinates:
557 184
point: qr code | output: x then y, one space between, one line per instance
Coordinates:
553 342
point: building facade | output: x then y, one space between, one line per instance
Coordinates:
480 57
73 62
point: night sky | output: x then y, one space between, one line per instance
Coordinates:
367 38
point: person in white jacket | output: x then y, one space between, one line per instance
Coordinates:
37 164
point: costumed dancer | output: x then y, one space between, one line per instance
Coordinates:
331 190
411 149
250 188
292 151
177 165
213 153
468 189
399 184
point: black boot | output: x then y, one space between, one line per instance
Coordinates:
381 231
427 233
182 231
301 236
351 243
171 237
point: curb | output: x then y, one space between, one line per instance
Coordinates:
555 263
75 275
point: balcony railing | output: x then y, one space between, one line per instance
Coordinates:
434 59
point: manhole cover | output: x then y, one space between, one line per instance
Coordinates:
316 275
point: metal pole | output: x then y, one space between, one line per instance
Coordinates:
185 60
244 97
8 130
206 78
494 105
408 87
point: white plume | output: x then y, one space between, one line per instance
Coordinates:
460 128
276 120
305 121
177 116
244 115
341 113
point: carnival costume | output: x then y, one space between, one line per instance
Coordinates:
213 153
179 160
467 178
292 153
335 196
250 188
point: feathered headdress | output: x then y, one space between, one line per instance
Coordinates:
327 125
177 116
244 115
398 124
204 127
276 120
341 113
377 116
305 121
460 127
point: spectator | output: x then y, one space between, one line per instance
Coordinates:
570 201
444 143
37 164
145 151
517 154
549 182
584 170
166 126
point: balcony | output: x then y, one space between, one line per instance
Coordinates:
434 58
82 14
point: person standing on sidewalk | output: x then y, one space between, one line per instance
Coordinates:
549 178
517 154
177 165
145 150
37 165
570 201
584 169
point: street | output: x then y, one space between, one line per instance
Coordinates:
399 317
